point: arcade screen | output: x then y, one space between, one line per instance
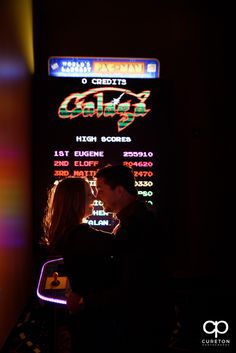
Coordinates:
98 111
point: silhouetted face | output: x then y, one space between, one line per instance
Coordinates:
89 200
109 197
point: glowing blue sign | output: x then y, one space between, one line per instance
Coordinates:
103 67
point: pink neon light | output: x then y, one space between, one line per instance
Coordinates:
43 297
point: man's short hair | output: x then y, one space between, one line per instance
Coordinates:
115 175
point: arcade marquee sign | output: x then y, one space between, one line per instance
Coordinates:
103 67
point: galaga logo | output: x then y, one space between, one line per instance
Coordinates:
80 104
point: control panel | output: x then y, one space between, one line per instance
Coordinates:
53 285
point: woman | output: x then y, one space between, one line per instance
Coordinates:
87 258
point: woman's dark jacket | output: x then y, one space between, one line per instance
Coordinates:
87 259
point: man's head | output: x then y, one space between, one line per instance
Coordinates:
115 187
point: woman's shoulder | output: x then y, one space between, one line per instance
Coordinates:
88 239
85 229
84 232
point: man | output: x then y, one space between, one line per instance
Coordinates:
138 300
144 311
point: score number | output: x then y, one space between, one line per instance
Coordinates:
138 154
141 174
142 164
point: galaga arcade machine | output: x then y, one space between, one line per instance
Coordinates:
100 111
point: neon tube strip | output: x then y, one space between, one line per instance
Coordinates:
43 297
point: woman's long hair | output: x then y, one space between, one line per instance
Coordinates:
65 209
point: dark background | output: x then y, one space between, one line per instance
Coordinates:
194 42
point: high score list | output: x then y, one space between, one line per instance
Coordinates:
85 163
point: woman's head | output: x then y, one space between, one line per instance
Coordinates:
69 201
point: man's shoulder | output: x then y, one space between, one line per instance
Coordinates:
145 212
140 219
